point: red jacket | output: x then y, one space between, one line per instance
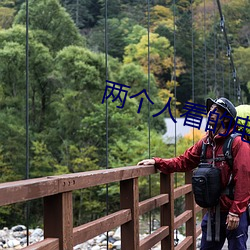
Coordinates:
241 168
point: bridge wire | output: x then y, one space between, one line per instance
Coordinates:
175 94
222 67
205 51
77 13
229 83
149 121
192 73
230 56
107 124
27 206
221 48
215 51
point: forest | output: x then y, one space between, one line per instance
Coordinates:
174 50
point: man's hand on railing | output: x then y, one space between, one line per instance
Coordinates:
146 162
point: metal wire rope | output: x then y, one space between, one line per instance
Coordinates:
221 46
175 95
215 50
107 124
229 54
149 121
27 204
192 73
205 51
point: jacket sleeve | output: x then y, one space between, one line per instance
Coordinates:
185 162
241 175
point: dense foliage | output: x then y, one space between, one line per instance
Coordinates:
68 67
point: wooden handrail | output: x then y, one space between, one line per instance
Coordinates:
24 190
90 230
58 208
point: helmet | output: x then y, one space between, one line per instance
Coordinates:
223 103
243 111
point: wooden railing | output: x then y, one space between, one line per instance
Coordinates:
56 192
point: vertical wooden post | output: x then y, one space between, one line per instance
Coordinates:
58 219
167 210
129 198
190 205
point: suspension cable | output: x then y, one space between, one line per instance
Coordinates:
107 124
174 75
27 207
229 54
192 74
205 51
221 46
215 51
149 121
175 94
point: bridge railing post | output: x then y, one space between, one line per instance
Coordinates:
190 205
58 219
129 198
167 210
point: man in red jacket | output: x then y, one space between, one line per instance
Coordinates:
233 212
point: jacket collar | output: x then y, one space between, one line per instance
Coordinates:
218 137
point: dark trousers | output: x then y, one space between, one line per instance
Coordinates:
237 238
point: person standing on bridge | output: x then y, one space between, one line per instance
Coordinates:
233 210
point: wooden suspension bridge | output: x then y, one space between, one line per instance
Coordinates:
56 192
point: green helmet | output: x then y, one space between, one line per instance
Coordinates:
243 111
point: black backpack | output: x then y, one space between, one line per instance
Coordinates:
206 179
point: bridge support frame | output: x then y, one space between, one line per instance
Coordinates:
58 219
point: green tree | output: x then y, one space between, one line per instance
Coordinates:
241 56
161 16
6 17
12 108
42 163
84 13
117 32
13 60
53 25
134 76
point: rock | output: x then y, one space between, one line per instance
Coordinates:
23 240
117 244
18 234
111 233
111 239
3 233
80 246
13 243
38 232
103 243
117 235
91 242
100 238
18 247
95 248
13 240
18 228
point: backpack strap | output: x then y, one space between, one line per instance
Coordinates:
203 152
227 151
227 148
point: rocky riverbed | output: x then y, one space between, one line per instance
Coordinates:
16 238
